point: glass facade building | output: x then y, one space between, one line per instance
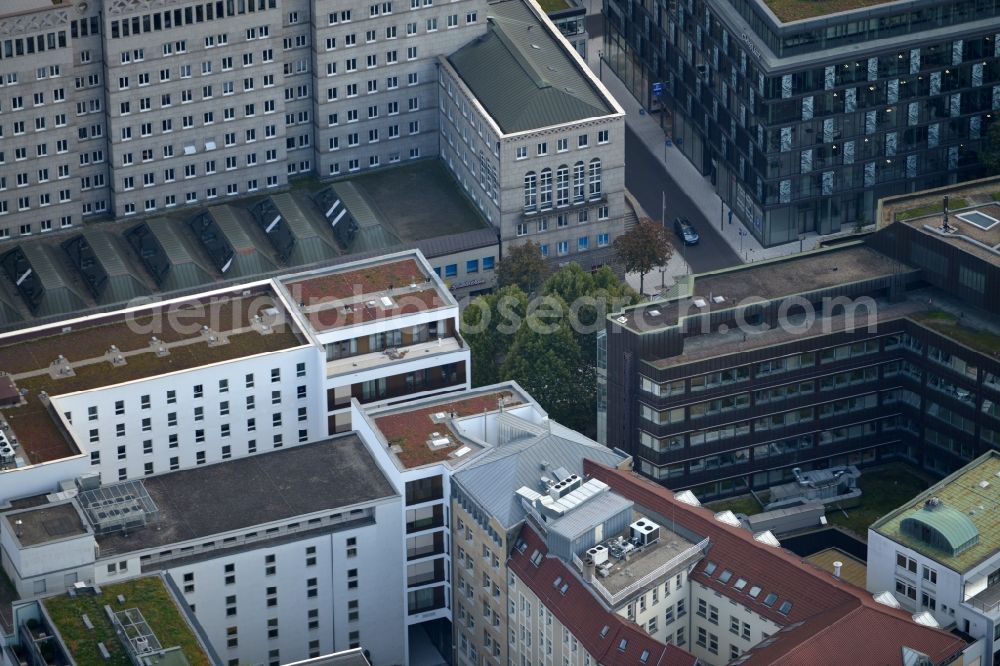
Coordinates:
804 125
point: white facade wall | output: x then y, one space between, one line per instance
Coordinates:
378 625
948 593
164 456
47 567
378 448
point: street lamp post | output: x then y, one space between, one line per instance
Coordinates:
600 65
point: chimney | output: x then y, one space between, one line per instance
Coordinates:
589 569
836 568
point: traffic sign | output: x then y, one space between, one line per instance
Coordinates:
657 89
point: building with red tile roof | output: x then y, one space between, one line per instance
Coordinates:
607 637
795 612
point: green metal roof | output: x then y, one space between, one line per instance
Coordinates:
62 294
523 75
313 237
965 516
251 258
185 270
942 526
124 284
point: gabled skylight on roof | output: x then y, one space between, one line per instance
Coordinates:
886 598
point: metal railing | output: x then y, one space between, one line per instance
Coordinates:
613 599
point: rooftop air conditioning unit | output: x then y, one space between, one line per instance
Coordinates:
644 532
597 555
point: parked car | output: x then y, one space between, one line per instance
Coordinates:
685 231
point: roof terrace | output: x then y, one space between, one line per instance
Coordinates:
422 435
128 345
620 579
147 599
954 522
366 291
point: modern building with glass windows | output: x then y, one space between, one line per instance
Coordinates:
804 118
883 349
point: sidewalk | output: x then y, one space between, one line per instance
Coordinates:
702 193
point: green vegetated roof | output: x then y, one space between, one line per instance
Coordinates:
149 595
955 521
522 74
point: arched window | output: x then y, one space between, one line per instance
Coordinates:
545 189
530 191
595 178
562 186
579 182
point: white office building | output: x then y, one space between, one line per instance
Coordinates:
939 555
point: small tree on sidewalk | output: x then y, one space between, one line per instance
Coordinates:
643 248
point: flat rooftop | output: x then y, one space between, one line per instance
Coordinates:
421 435
244 492
974 229
960 509
644 562
72 356
419 200
767 280
48 522
150 596
797 10
366 291
853 570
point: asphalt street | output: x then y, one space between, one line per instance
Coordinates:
647 179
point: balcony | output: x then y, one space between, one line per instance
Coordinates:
425 573
351 364
424 600
987 601
418 520
425 546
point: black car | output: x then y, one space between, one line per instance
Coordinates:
685 231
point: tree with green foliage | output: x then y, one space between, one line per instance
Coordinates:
546 360
547 344
590 297
643 247
523 266
489 324
991 150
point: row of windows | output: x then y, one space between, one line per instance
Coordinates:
586 184
471 267
178 18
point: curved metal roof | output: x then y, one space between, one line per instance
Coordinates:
943 527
